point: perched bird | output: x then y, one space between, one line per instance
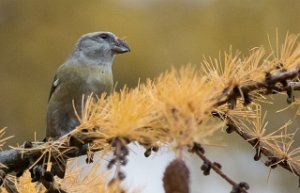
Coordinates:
87 70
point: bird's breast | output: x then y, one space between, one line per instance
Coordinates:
99 81
91 79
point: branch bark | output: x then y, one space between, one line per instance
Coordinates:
17 160
20 159
269 84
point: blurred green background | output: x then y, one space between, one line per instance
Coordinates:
36 37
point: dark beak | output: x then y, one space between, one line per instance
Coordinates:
120 46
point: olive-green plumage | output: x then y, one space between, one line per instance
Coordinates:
88 70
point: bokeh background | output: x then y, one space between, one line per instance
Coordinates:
36 37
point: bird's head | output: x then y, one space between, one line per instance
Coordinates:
99 47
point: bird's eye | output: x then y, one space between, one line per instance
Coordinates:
104 36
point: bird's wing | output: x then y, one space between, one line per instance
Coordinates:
54 85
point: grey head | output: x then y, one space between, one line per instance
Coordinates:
98 48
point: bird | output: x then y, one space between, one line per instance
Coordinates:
88 70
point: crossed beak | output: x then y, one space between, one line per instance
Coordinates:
120 46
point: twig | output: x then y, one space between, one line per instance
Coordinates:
10 186
47 179
237 187
269 84
21 159
254 143
120 158
17 160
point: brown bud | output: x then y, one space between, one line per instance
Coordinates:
176 177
